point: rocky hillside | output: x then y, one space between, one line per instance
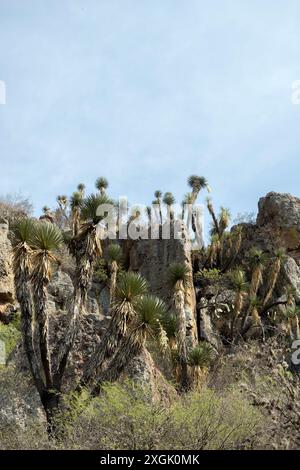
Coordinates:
218 308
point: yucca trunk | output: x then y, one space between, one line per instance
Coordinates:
273 279
121 316
295 323
179 302
88 248
256 281
41 275
113 281
75 222
214 217
237 308
131 346
24 297
199 376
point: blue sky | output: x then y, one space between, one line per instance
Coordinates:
146 92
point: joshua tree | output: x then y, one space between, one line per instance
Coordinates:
102 185
274 273
224 220
46 210
197 183
199 359
178 277
146 324
86 247
130 289
81 189
210 208
76 201
257 262
114 258
240 285
34 253
169 201
158 196
22 265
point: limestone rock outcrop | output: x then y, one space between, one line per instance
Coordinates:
152 259
7 291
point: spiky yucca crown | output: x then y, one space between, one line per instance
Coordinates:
91 205
238 279
101 183
149 311
202 355
130 287
168 199
38 235
178 272
114 252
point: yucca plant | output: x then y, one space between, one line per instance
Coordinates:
76 201
146 324
188 201
292 315
197 183
102 185
199 359
46 239
224 220
253 310
131 287
169 201
22 234
257 261
158 196
279 256
34 250
114 253
240 285
178 275
213 216
81 189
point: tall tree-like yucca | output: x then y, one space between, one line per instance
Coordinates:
158 196
146 324
274 273
35 245
240 286
169 201
81 189
86 246
178 277
131 287
211 210
102 185
46 240
22 265
257 259
76 201
114 258
197 183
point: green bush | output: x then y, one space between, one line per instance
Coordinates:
125 418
